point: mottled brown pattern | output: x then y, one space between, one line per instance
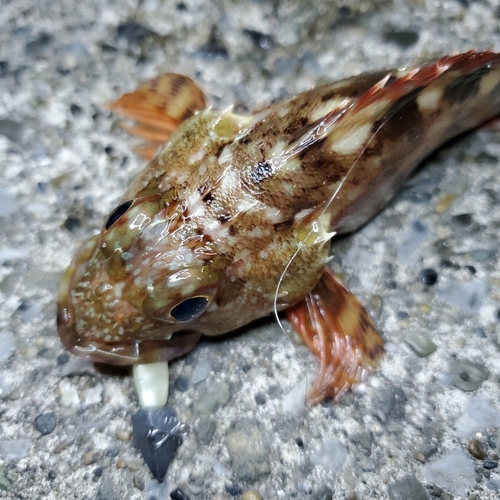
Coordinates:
231 202
465 87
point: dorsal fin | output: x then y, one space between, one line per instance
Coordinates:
394 89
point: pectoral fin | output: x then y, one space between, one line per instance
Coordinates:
338 330
159 106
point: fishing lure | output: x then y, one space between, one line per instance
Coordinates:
232 218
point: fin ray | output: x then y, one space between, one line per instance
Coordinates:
338 330
159 106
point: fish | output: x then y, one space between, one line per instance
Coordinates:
233 217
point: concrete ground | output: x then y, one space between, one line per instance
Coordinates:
426 425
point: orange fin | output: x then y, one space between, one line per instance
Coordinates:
147 150
338 330
159 106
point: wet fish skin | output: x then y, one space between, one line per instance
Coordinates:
236 213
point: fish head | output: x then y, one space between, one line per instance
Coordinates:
140 290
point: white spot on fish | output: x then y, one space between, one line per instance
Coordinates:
489 82
176 178
198 156
202 170
429 98
353 141
211 224
278 149
244 204
288 187
198 209
230 181
256 233
321 111
290 166
274 215
283 111
226 156
303 214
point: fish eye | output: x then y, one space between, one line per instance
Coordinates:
127 222
189 309
117 213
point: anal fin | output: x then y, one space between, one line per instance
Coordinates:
337 329
159 106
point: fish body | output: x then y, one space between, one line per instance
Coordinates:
233 217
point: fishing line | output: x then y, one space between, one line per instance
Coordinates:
332 198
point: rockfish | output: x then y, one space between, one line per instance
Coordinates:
232 218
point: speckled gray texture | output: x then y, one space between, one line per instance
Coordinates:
64 163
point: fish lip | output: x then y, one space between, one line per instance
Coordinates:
116 353
122 353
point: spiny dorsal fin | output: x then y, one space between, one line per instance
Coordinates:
393 89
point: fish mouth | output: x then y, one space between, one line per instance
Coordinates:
97 350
